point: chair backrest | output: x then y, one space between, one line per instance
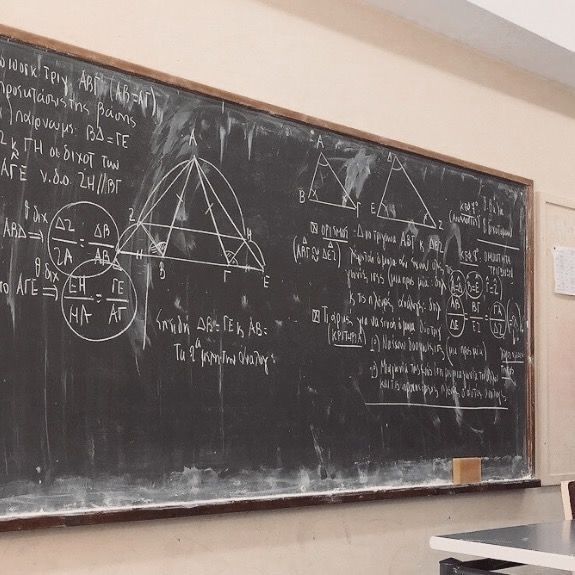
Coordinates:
568 495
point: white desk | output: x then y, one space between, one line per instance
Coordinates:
549 545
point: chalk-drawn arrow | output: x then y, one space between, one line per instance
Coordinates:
36 236
50 291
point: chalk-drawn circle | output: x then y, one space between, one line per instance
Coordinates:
457 283
514 325
474 284
494 286
455 316
101 307
498 320
82 232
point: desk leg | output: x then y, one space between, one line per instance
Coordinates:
478 567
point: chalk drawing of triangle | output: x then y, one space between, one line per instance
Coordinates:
193 215
326 187
401 200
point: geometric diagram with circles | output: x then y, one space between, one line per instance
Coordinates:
455 316
498 320
474 285
326 187
82 232
401 200
100 307
456 283
193 215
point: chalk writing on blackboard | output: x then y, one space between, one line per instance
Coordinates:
395 202
202 301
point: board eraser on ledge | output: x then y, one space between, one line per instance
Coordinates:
466 470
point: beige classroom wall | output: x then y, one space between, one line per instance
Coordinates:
350 64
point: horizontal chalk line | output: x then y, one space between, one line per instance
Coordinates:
407 404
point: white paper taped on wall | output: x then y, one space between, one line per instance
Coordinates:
564 260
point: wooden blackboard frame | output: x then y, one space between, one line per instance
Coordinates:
279 502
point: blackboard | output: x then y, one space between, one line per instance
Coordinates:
206 301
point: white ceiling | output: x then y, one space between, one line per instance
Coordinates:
536 35
550 19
